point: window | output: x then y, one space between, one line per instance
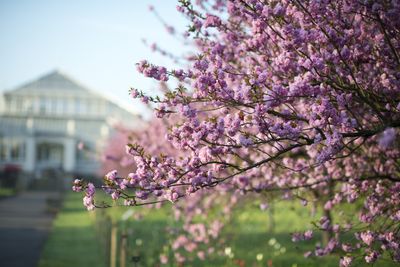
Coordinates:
98 107
12 104
84 108
3 149
18 105
8 104
77 106
62 106
110 108
15 153
28 105
17 150
86 152
89 107
53 106
42 106
43 152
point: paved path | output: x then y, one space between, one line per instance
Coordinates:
24 226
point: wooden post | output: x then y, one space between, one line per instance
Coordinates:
113 247
105 233
271 225
103 227
123 248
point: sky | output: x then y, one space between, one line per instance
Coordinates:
96 42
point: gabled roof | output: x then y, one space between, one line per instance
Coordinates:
53 80
57 80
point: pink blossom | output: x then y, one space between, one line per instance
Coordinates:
371 257
212 21
81 145
367 237
201 255
308 234
345 261
112 175
77 185
163 259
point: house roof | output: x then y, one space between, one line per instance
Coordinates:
53 80
59 81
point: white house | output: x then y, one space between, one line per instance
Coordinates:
43 122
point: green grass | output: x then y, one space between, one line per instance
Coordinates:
248 237
6 192
72 241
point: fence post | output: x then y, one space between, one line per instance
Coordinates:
113 247
123 248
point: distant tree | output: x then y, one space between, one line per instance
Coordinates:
114 155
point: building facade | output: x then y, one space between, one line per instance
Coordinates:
55 123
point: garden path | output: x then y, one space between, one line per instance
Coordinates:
25 222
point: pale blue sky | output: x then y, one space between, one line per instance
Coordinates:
97 42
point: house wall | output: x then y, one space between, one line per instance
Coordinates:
58 117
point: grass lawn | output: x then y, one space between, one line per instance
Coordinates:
72 241
247 238
6 192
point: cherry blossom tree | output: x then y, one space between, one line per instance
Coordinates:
114 156
290 97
